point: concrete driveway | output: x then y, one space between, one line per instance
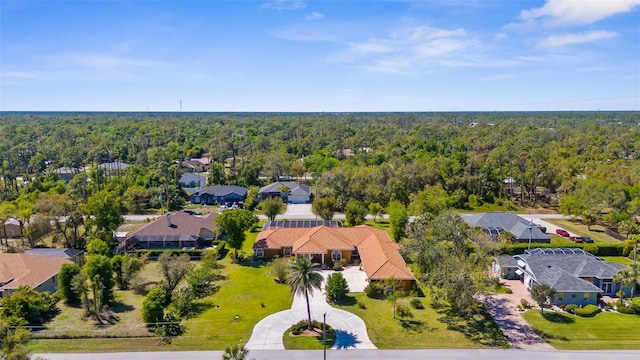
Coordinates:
350 329
502 308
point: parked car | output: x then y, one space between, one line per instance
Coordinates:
587 239
576 239
562 232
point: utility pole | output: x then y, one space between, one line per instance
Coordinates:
324 335
530 231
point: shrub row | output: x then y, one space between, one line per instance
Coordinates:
633 309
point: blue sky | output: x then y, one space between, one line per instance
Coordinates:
434 55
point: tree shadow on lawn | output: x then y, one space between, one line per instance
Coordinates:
120 307
478 327
557 318
347 300
415 325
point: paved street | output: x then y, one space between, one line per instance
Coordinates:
476 354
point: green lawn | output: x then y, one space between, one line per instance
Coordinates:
428 328
227 317
605 331
618 259
596 233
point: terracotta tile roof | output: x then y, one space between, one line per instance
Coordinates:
30 270
378 253
182 223
381 259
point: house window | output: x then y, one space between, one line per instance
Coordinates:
336 255
560 295
196 199
587 296
259 253
286 251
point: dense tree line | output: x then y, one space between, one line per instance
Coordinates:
426 161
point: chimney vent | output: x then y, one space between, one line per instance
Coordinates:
169 224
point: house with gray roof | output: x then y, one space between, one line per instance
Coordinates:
296 193
191 180
219 194
75 255
577 276
493 223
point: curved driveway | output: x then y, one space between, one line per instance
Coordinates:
350 329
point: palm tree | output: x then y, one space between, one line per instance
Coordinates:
303 278
235 352
628 277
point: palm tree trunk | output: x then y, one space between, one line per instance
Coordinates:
306 295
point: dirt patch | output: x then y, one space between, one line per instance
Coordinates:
315 333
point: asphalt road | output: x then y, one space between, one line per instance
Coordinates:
476 354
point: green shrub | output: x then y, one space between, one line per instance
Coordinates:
302 325
374 290
587 311
628 309
336 287
329 263
416 304
152 309
362 305
337 267
525 304
403 311
571 308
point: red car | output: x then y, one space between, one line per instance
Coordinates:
562 232
576 239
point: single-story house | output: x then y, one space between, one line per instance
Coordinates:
190 180
194 166
367 246
115 167
296 193
577 276
493 223
11 229
75 255
219 194
67 173
172 231
37 272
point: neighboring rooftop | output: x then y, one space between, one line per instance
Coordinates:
61 253
222 190
496 222
28 270
295 189
178 223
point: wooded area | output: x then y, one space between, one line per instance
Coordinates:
426 161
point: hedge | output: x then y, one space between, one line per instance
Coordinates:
587 311
595 249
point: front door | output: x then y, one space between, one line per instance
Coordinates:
607 287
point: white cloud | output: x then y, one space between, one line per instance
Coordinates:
410 50
315 16
579 38
577 12
100 61
284 5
